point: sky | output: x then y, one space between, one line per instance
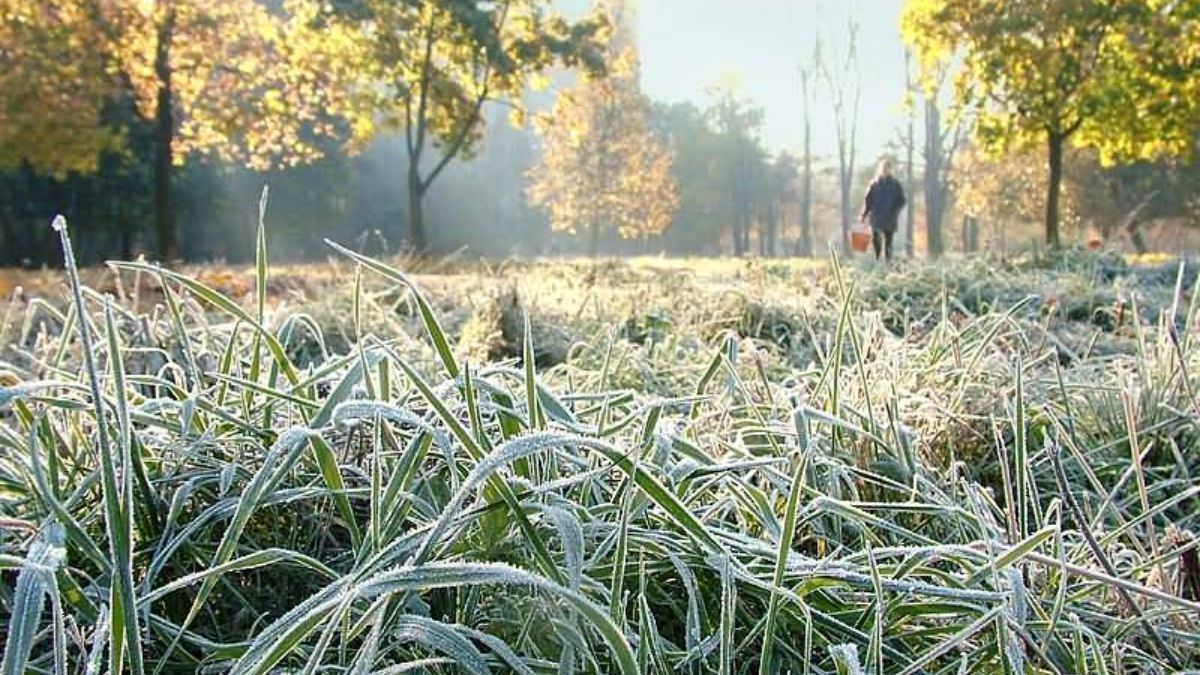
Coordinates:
689 45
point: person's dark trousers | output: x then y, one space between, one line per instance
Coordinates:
881 240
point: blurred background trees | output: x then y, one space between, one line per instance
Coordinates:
603 172
428 69
502 127
106 85
1118 77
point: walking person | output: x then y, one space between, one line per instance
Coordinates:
884 200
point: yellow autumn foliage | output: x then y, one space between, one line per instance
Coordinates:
602 168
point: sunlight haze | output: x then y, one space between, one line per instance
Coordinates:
688 45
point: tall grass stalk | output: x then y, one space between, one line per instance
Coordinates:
126 638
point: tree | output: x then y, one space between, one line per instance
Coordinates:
1003 190
1118 200
935 197
941 143
699 171
430 66
845 92
225 79
910 145
53 101
602 169
804 245
738 123
1115 75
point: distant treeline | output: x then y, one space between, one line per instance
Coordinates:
478 206
154 126
359 200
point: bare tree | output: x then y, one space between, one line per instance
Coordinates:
845 89
910 213
941 143
804 246
738 124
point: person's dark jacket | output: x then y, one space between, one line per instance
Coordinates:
885 199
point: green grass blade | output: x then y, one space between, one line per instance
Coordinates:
225 305
34 582
785 550
432 325
125 626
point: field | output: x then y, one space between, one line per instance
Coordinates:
645 466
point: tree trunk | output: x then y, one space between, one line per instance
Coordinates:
933 218
806 234
594 241
970 234
806 229
746 227
739 216
1132 223
844 179
125 233
416 212
772 230
1137 238
762 236
9 244
934 197
164 136
910 214
743 217
1054 187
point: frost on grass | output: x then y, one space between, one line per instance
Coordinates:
635 496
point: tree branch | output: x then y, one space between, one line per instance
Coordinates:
460 138
457 142
408 126
418 145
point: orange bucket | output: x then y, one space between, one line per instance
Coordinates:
860 240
